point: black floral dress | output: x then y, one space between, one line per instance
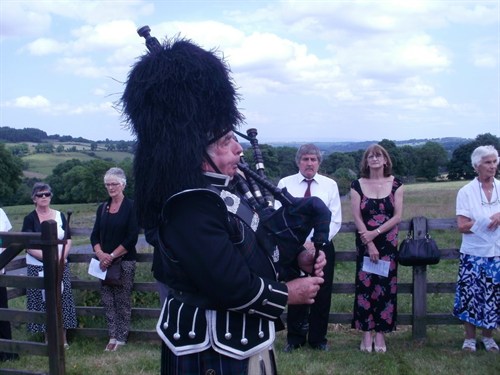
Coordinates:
375 300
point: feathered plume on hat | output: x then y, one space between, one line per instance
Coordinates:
178 99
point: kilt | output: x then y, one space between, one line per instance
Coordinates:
209 362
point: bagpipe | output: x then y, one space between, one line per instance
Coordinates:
289 225
294 220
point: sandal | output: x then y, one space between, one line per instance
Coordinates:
111 347
118 344
366 348
469 345
381 348
489 344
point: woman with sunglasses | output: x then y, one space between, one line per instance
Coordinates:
41 196
477 297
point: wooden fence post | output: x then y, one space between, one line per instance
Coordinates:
419 296
53 301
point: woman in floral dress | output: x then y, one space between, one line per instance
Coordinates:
377 206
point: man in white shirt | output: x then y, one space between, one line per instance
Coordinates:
310 322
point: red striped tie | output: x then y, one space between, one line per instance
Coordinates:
308 190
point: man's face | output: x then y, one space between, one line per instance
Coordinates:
225 154
308 165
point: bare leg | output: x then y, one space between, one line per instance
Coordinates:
380 342
470 331
366 342
487 332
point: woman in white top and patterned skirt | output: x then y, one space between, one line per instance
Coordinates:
477 297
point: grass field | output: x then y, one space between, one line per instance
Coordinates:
41 165
439 354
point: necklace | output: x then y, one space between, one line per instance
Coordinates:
114 207
44 215
492 201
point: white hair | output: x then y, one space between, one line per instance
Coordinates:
480 152
116 173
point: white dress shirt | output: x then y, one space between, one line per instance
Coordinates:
322 187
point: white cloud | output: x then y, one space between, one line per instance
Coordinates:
30 102
45 46
18 19
104 36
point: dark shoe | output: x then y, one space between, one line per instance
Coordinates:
321 347
291 347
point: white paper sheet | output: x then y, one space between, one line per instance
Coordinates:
380 268
95 270
480 228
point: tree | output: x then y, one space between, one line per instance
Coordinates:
460 166
343 177
44 148
409 161
10 171
58 183
398 165
337 160
20 149
431 157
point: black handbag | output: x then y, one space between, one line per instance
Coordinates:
420 251
114 273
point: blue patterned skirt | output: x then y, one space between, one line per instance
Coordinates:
477 298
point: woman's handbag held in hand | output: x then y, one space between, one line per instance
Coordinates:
420 251
114 273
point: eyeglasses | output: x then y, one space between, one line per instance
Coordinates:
111 184
375 156
43 195
485 201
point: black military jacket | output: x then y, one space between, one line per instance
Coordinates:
225 292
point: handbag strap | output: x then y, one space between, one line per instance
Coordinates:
418 228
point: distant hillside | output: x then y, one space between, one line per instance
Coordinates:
448 143
8 134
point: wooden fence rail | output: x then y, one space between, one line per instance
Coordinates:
47 241
419 318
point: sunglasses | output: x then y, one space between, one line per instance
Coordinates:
43 195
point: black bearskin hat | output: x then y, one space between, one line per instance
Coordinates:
178 99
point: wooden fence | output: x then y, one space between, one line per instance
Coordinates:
419 318
47 241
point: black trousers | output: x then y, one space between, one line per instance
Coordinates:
310 322
5 331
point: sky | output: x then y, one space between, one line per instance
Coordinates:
306 71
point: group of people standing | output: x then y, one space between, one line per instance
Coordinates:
232 267
113 238
217 254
